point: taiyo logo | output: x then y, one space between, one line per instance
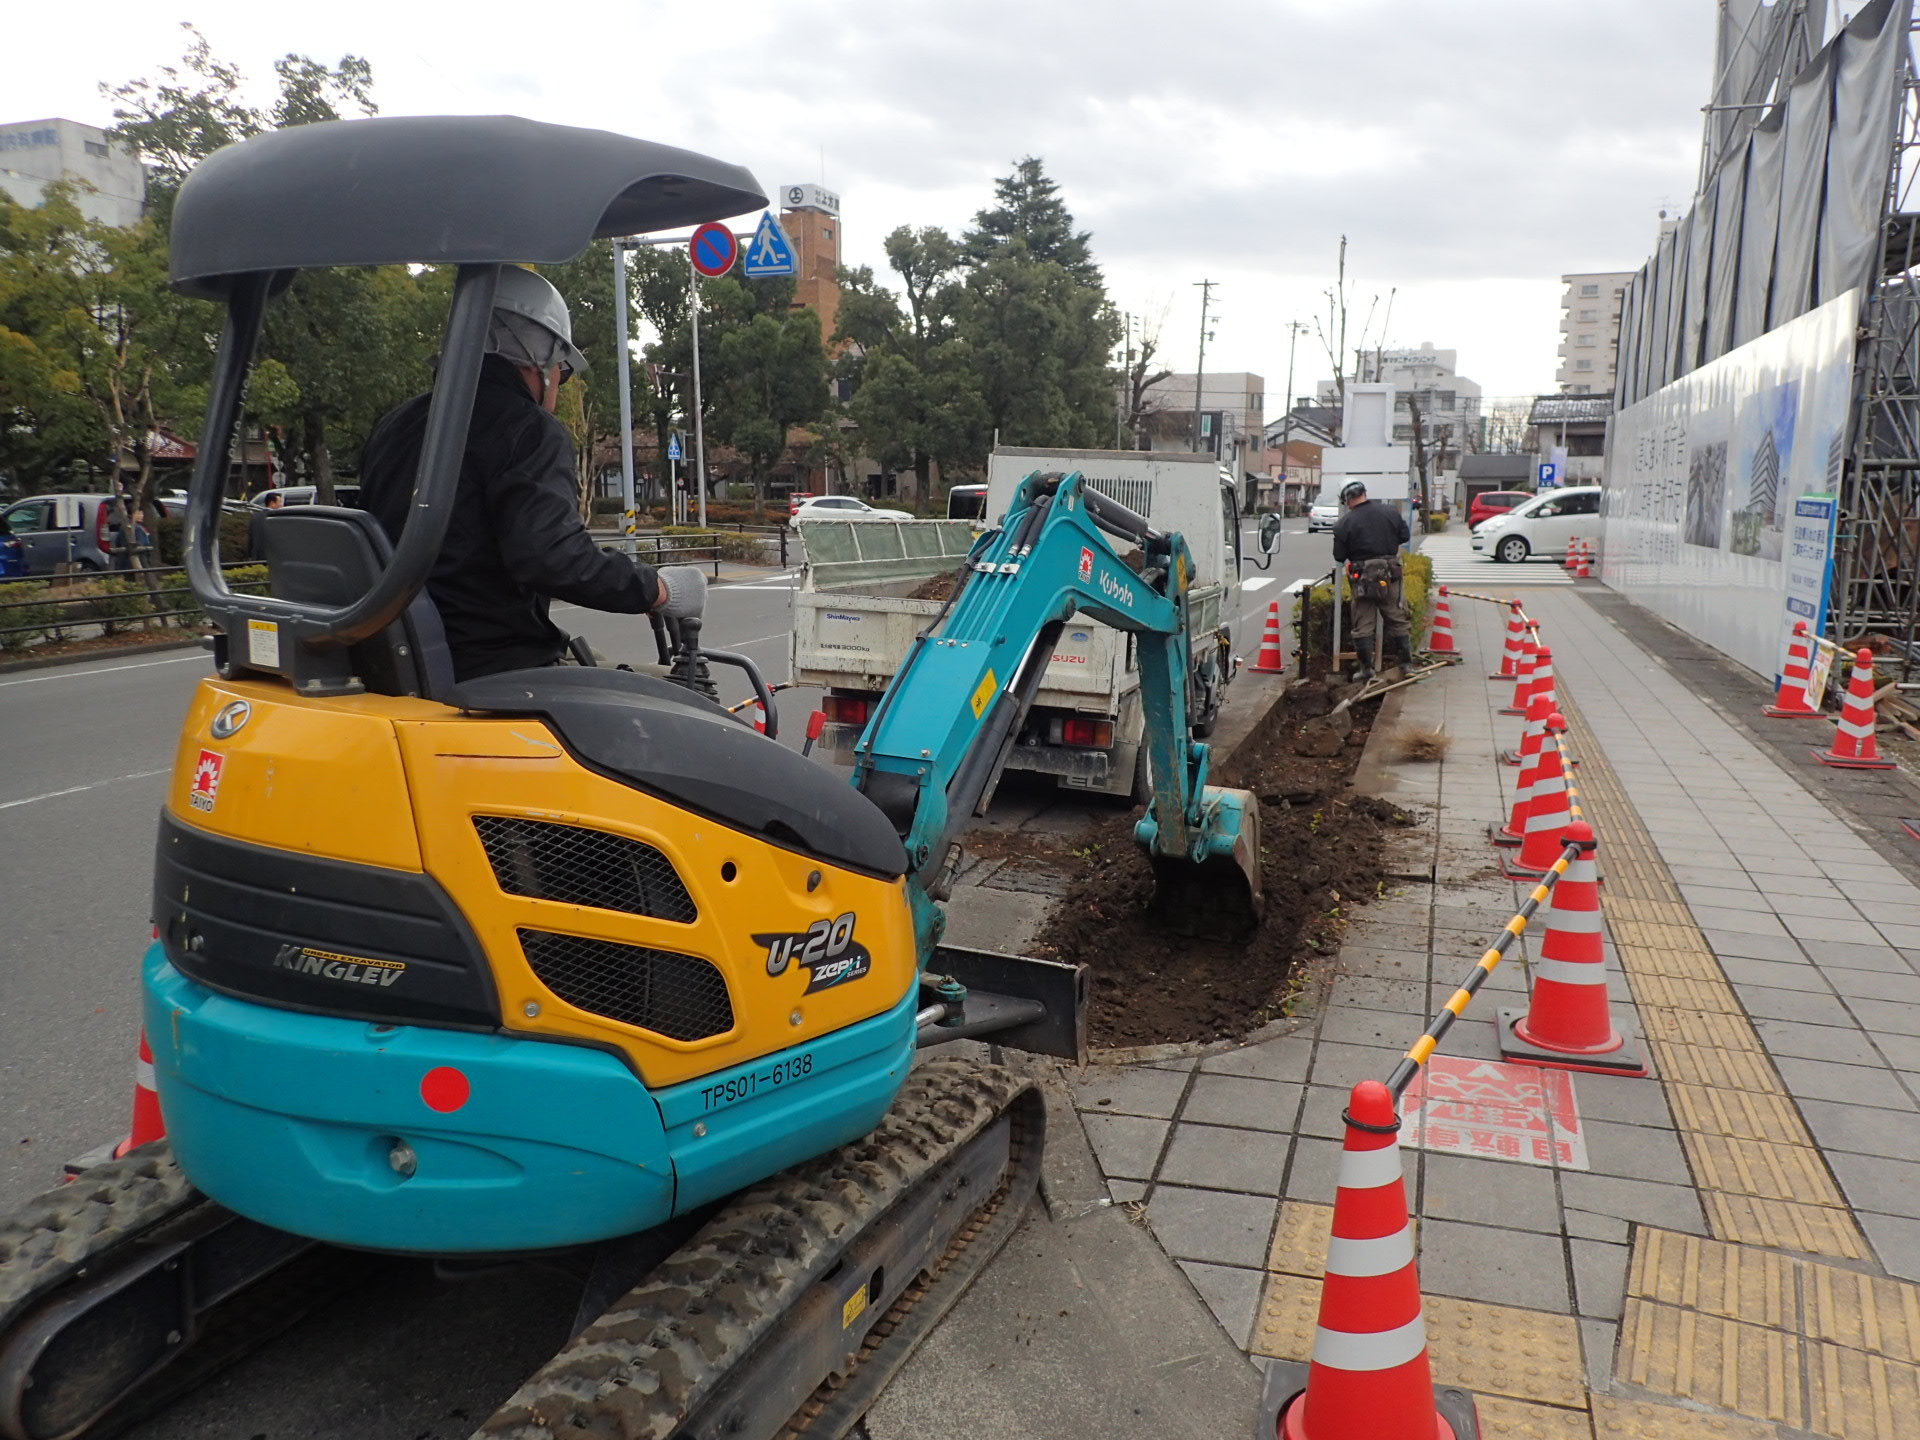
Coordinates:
1086 565
1113 587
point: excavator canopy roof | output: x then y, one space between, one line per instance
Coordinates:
434 189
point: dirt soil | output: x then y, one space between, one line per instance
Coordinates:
1322 853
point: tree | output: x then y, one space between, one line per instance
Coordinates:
770 379
1139 377
1039 343
1031 221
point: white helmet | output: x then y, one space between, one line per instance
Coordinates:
530 323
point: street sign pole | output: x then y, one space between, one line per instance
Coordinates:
627 525
699 425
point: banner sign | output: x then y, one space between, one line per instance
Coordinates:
1705 479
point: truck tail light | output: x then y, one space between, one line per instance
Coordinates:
1098 734
848 709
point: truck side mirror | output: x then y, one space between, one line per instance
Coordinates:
1270 531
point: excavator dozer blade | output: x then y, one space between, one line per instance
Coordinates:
1219 895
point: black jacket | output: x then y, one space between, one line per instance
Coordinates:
1369 531
515 538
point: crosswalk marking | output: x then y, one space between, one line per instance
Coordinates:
1456 563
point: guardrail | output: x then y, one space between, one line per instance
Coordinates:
107 598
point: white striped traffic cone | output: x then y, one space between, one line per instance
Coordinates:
1532 741
147 1124
1548 813
1792 702
1567 1024
1440 633
1584 570
1570 561
1854 747
1271 660
1370 1378
1523 677
1515 643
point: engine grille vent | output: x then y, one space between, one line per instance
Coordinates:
680 996
577 866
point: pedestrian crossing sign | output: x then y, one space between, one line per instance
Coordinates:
673 448
769 252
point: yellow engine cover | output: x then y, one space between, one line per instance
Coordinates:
398 784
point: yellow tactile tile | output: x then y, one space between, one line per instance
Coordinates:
1615 1419
1705 1065
1717 1030
1766 1168
1857 1396
1733 1281
1500 1350
1718 1362
1300 1239
1743 1114
1785 1225
1670 992
1647 933
1504 1419
1682 963
1864 1312
1289 1313
1652 912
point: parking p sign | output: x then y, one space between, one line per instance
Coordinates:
1549 475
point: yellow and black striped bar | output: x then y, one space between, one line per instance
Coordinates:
1490 599
1423 1048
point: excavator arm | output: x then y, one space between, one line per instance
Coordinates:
945 725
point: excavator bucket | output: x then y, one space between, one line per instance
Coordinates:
1214 892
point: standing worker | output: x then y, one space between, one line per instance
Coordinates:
1368 539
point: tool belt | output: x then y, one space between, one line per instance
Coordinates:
1378 575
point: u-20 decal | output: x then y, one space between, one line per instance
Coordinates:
826 950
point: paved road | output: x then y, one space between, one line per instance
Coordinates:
88 748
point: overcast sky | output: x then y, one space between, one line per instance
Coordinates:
1471 150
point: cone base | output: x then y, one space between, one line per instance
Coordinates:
1512 869
1501 675
1844 762
1511 710
1449 657
1623 1059
1509 757
1455 1415
1775 712
1500 835
73 1169
1257 668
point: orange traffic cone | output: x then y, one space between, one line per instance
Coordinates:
1567 1024
1791 701
1516 639
1570 562
1853 745
1271 660
1547 811
1440 633
1532 741
147 1124
1584 570
1523 678
759 718
1370 1378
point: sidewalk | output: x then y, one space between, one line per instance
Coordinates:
1724 1249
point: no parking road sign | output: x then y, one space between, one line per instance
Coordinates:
713 250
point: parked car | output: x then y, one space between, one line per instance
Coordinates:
841 507
343 495
56 530
1541 526
967 502
796 500
1322 514
1489 503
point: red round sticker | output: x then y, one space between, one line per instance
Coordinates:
444 1089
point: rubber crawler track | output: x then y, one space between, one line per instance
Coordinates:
652 1359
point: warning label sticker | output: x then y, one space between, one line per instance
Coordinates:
1495 1111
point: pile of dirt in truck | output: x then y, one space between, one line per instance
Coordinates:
1323 852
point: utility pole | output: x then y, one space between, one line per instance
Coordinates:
620 302
1126 387
1294 327
1200 372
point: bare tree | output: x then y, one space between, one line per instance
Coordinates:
1142 375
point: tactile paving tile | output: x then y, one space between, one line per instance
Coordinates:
1704 1065
1733 1281
1300 1239
1289 1314
1717 1029
1504 1419
1680 962
1742 1368
1616 1419
1766 1168
1703 993
1857 1396
1785 1225
1864 1312
1744 1114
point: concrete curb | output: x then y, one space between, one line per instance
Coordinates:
106 652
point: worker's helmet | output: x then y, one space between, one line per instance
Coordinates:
530 323
1352 490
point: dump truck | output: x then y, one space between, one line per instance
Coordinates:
869 588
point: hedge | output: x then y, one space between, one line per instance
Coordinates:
731 545
109 602
236 538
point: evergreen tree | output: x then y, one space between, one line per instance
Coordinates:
1031 220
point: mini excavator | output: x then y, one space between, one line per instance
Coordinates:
568 961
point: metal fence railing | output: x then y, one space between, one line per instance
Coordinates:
110 600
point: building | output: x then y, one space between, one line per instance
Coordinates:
1590 331
1577 423
1481 473
1233 406
1449 403
810 214
110 185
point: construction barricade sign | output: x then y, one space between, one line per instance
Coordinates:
1495 1111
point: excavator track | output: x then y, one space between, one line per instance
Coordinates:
775 1319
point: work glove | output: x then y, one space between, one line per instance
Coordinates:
682 591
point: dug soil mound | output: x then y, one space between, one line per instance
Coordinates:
1321 853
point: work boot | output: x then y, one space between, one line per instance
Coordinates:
1362 661
1400 653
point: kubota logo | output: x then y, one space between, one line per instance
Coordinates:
1113 587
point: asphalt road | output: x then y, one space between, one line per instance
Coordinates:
88 746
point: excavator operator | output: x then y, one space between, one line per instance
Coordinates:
1368 539
515 539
